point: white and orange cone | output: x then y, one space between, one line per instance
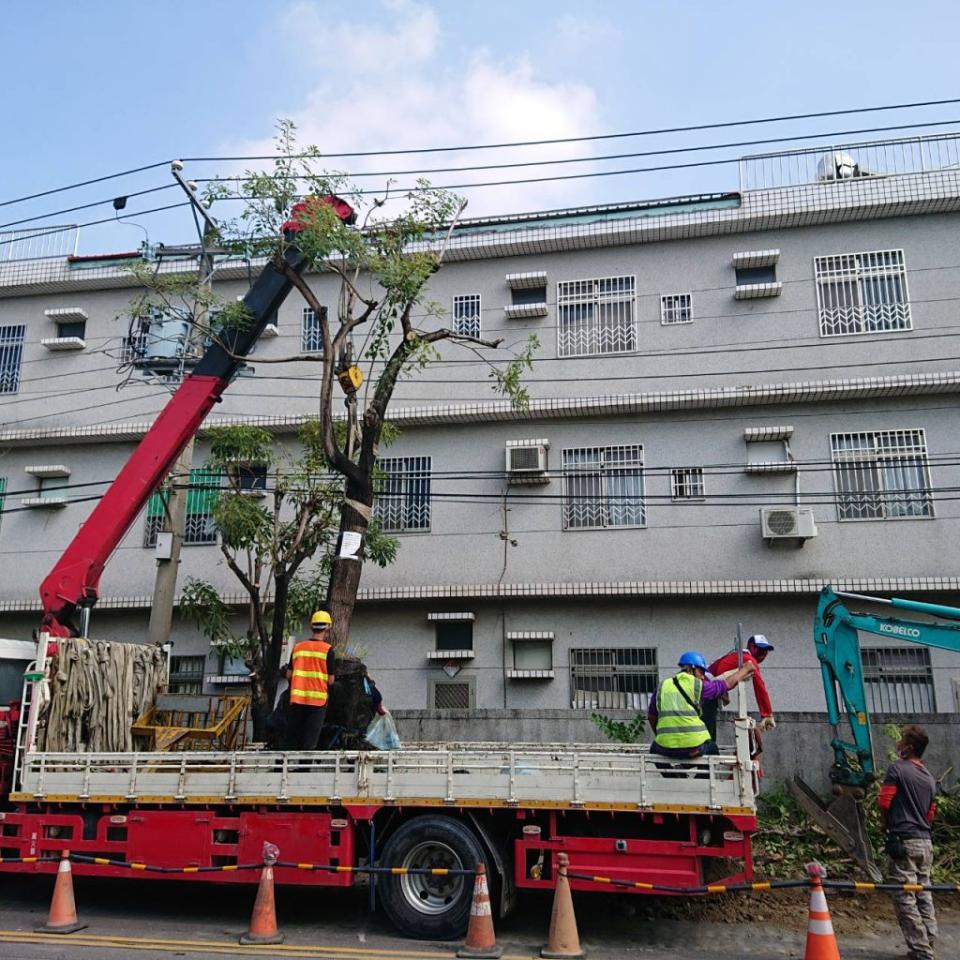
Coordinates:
563 941
263 922
821 940
481 942
63 907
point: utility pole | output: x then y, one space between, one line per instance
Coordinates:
165 585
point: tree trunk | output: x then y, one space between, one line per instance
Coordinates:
345 572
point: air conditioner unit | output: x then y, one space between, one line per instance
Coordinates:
527 461
787 523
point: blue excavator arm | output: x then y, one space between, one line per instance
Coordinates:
836 635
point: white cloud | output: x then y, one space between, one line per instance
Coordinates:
390 88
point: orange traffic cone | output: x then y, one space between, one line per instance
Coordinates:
821 940
263 923
481 941
63 908
563 941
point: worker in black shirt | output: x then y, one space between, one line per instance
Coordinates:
907 804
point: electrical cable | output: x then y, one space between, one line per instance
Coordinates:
700 148
606 136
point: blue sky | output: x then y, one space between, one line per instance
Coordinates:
104 86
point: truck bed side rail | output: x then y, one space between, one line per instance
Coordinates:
528 776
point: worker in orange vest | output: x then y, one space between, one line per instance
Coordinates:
313 667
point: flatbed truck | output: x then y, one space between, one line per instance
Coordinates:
614 809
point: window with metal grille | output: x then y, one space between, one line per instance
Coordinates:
452 695
466 315
403 494
603 487
186 674
898 679
11 357
596 316
202 496
676 308
862 293
617 678
311 336
686 483
881 475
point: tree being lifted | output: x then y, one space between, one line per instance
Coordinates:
383 268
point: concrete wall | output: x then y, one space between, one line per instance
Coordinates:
799 746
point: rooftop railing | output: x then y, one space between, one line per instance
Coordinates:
39 243
850 161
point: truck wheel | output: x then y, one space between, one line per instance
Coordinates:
422 906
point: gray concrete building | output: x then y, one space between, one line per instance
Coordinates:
738 398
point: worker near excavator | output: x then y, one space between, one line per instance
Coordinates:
907 804
676 713
758 649
313 667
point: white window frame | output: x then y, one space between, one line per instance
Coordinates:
888 448
618 666
853 271
401 516
902 684
467 322
589 293
676 308
606 466
11 356
682 479
311 336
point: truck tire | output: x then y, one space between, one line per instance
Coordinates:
421 906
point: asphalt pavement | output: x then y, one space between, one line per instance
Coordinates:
159 918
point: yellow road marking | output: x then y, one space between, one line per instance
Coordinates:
232 949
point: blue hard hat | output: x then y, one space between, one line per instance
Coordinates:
692 659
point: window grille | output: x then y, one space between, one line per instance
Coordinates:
202 497
617 678
603 487
186 674
311 338
676 308
686 483
11 357
898 679
451 695
466 315
862 293
403 494
596 316
881 475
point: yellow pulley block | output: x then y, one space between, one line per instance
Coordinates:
350 378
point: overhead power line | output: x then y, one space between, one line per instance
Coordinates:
523 143
607 136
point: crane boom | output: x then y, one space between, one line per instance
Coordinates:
74 581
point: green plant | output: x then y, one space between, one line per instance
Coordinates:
621 731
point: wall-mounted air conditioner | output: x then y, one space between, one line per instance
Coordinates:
787 523
527 461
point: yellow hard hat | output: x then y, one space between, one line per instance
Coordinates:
321 619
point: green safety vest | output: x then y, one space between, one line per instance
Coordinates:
679 725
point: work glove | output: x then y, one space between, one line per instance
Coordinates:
768 723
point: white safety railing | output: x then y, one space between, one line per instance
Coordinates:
850 161
39 243
507 775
